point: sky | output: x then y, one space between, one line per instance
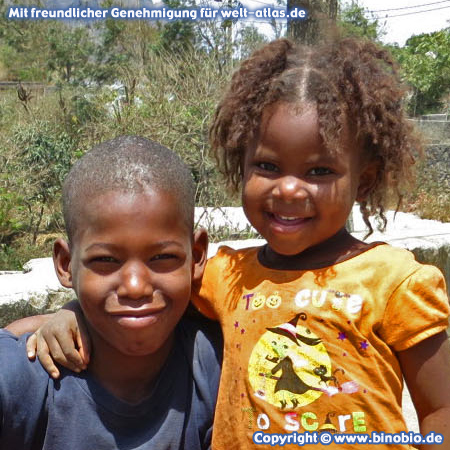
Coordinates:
433 15
412 17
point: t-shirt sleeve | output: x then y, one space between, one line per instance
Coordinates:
417 309
23 389
204 296
206 358
210 363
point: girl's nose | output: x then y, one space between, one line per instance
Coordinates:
290 188
135 281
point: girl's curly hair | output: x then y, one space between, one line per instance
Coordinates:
351 81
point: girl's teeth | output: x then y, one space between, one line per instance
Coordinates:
288 218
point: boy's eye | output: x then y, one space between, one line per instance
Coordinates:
104 259
318 171
267 166
163 256
166 262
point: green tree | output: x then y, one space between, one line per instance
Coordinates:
354 22
44 157
70 50
249 40
22 48
425 65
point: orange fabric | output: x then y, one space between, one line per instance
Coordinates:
314 349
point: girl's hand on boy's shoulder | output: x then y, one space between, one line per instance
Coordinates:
426 368
63 339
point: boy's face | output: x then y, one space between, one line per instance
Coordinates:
131 264
296 192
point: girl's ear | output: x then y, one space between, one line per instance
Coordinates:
367 180
61 261
199 253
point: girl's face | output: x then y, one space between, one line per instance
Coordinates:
296 192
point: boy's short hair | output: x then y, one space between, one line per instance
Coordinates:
127 164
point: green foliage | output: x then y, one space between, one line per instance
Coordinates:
69 51
19 39
354 22
425 65
43 158
10 224
109 78
250 40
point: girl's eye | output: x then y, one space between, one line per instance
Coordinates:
268 167
320 171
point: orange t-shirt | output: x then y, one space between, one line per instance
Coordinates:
313 350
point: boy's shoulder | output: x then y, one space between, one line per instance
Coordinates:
23 389
201 340
13 358
18 371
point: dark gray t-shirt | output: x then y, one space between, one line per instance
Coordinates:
77 413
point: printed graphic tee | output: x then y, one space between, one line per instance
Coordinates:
314 350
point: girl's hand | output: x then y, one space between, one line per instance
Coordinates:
63 339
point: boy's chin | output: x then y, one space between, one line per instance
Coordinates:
135 347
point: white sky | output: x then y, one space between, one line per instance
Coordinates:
410 21
415 17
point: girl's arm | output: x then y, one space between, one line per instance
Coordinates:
426 368
60 338
27 324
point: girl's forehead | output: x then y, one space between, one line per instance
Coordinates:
293 127
293 109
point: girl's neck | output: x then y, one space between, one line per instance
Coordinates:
336 249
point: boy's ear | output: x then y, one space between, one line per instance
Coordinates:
61 261
367 180
199 253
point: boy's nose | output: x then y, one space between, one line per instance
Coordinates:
135 281
290 188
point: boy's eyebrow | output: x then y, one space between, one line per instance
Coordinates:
107 246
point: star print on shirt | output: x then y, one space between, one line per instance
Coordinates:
342 336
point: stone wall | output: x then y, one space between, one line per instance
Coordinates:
436 165
435 131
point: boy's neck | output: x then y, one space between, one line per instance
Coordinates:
337 248
129 378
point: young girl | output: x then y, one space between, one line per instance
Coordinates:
319 327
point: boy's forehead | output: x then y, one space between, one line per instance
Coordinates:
148 214
107 205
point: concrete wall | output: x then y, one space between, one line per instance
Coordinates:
37 290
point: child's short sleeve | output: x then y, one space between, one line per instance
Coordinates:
417 309
204 296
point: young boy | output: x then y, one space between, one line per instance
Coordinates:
131 257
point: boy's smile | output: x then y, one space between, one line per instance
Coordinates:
131 266
296 192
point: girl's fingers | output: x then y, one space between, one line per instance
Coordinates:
84 343
31 347
60 353
45 359
71 354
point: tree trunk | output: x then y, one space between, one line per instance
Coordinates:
319 15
